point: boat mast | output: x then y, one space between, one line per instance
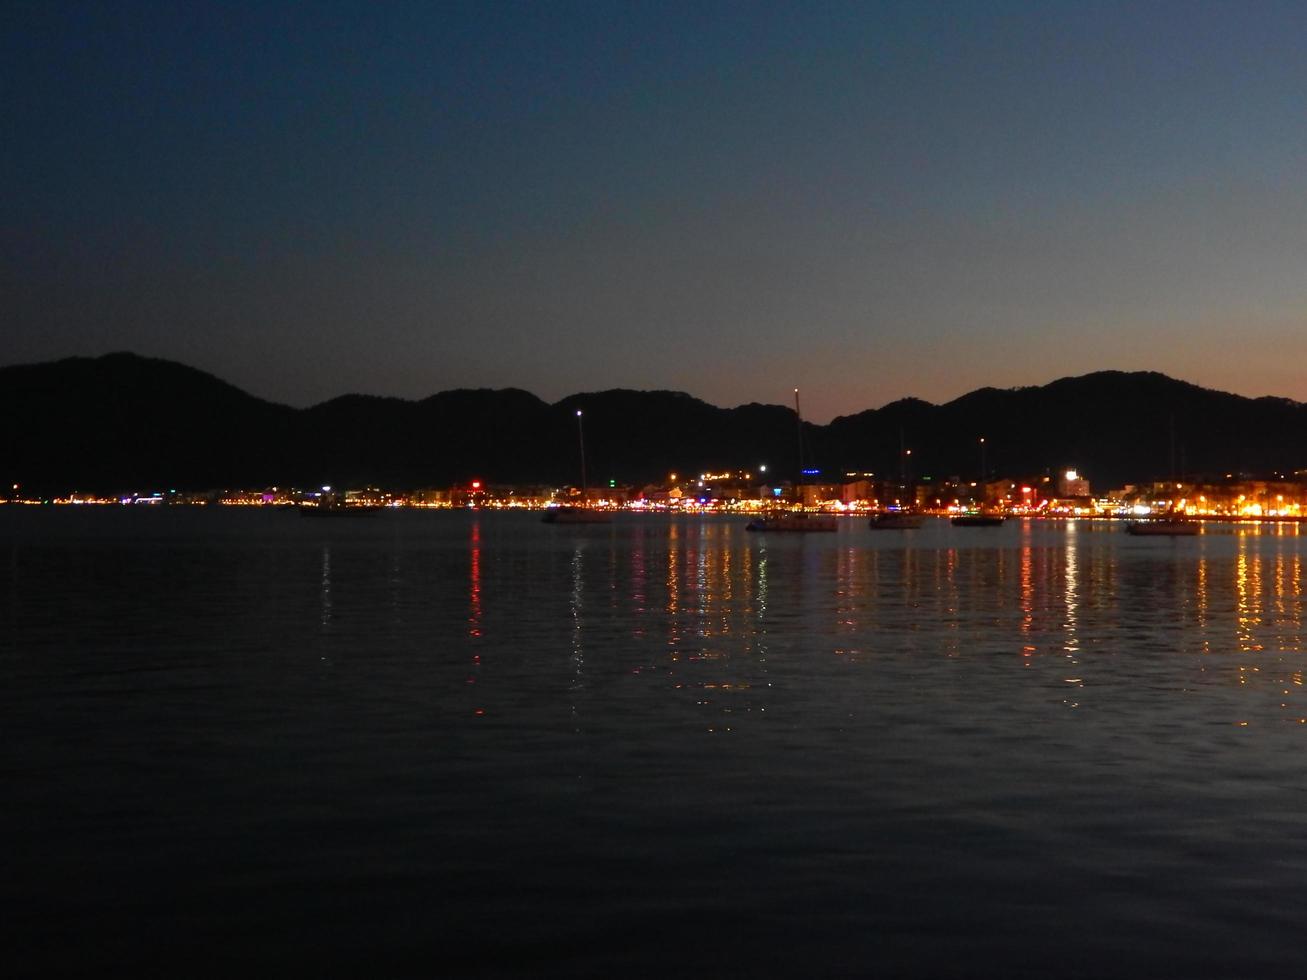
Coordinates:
903 460
580 438
798 419
1173 479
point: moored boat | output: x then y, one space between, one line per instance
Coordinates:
977 520
576 515
336 507
1167 526
570 513
794 520
895 520
312 511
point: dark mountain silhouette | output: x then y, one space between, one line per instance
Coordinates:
1117 427
123 422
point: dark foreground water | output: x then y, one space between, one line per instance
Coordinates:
449 744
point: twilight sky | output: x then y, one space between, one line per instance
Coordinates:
868 200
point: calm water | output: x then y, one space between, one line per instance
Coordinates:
457 744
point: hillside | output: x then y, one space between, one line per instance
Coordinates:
123 422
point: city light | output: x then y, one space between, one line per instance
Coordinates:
736 491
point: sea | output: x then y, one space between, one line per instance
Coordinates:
237 741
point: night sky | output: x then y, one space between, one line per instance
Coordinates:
866 200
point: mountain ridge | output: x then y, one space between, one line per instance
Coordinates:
122 421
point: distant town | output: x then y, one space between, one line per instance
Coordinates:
1068 494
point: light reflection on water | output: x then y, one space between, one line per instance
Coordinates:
508 748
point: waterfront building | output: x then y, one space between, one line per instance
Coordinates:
1071 484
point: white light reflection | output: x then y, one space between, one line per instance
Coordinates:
1071 601
1247 587
325 589
578 649
1070 596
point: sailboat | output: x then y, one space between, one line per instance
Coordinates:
896 520
1172 522
979 516
1170 526
583 514
977 519
900 518
781 518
